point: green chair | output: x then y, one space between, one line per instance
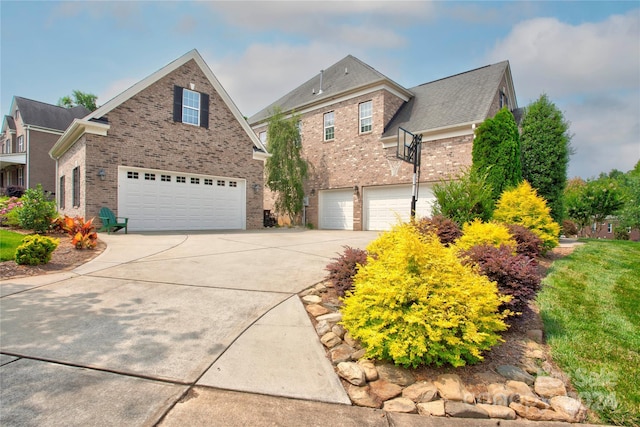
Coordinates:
110 222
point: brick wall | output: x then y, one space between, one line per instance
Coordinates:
143 134
359 159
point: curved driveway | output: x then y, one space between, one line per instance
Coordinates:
121 339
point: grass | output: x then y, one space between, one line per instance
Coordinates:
590 305
9 241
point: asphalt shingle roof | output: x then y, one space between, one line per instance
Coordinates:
345 75
48 116
462 98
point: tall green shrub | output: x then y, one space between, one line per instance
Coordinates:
496 152
37 210
545 147
415 303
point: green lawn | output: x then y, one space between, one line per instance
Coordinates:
590 305
9 241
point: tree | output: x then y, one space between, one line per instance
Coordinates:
286 169
545 146
629 213
591 202
496 152
88 100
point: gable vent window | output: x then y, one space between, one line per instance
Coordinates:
190 107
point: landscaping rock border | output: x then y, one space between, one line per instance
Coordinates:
518 392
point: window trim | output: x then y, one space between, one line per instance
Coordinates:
203 111
332 126
75 184
369 117
186 108
20 146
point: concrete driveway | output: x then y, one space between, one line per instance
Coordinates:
121 339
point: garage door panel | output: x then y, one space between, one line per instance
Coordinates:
386 206
162 200
336 209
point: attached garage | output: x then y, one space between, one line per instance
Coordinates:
336 209
384 206
156 200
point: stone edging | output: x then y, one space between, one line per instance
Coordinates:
394 389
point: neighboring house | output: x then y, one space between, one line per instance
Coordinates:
28 133
607 230
170 153
350 115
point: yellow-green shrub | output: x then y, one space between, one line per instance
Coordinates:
36 249
523 206
484 233
415 303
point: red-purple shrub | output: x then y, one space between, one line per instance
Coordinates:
516 275
529 243
569 228
343 268
446 230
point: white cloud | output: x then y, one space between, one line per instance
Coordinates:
558 58
265 72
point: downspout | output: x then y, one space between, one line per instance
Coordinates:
27 179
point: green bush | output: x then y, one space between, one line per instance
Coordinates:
464 198
36 249
37 210
484 233
523 206
415 303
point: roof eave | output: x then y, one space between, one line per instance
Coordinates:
77 128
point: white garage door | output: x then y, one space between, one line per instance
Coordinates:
164 200
384 206
336 209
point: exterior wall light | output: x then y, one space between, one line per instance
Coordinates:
102 174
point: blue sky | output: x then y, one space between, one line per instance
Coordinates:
584 55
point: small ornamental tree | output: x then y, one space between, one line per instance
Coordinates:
496 152
523 206
415 303
286 170
37 210
545 146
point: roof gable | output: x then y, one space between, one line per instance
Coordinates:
153 78
463 98
345 76
48 116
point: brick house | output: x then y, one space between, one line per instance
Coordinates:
350 116
172 152
28 133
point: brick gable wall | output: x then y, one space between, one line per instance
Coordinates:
143 134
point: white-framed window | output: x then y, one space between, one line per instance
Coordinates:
6 147
263 138
21 177
609 228
190 107
61 193
329 129
366 116
20 148
75 185
504 100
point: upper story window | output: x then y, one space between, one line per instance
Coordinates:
263 138
366 116
504 100
6 147
20 145
329 130
190 107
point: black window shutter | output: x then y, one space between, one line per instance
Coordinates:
177 104
204 110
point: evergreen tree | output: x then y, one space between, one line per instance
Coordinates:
496 152
286 170
545 145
